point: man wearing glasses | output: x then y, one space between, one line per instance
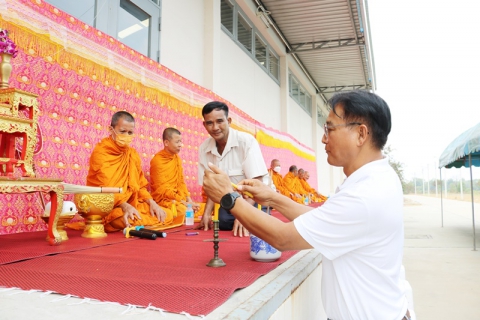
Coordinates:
359 230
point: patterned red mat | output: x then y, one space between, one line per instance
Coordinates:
169 273
29 245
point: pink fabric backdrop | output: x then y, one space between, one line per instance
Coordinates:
78 96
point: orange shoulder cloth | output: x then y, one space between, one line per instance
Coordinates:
166 176
114 166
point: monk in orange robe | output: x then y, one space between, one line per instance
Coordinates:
166 176
313 194
114 163
277 178
293 185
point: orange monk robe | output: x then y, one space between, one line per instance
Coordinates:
168 183
316 197
114 166
279 184
293 185
300 187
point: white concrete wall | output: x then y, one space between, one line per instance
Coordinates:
182 43
305 302
300 123
244 83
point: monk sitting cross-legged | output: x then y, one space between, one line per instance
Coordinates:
166 174
314 195
114 163
292 184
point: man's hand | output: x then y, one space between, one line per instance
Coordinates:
216 183
129 212
195 206
156 211
239 229
205 222
262 193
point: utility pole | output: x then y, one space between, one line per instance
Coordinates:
423 181
446 183
415 182
461 184
428 180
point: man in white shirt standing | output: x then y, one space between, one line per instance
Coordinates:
236 153
359 230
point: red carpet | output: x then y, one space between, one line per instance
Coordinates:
169 273
29 245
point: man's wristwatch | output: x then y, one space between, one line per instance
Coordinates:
228 201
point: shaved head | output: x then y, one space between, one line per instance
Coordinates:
275 163
168 133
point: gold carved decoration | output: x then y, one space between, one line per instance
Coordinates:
94 207
14 122
28 185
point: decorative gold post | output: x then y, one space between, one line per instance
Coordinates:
216 262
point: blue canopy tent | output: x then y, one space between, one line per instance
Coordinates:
464 151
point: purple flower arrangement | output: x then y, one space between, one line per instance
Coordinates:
6 44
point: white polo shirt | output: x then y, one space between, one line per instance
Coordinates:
359 231
241 158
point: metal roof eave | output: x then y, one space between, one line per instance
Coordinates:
307 29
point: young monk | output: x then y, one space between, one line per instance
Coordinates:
166 176
114 163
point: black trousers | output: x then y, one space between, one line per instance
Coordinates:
226 219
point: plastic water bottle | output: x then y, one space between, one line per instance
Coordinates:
189 215
305 201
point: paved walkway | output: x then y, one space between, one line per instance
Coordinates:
440 263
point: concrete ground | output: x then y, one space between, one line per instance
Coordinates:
440 264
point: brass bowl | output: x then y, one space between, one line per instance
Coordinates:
64 218
94 207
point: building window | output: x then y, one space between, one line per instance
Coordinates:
136 23
134 27
321 117
227 15
299 94
241 30
274 65
83 10
260 51
244 33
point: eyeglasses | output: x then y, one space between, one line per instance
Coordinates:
327 128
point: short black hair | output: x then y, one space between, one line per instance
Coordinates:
292 168
121 115
368 108
215 105
168 132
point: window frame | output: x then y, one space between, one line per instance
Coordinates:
255 32
106 20
296 97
